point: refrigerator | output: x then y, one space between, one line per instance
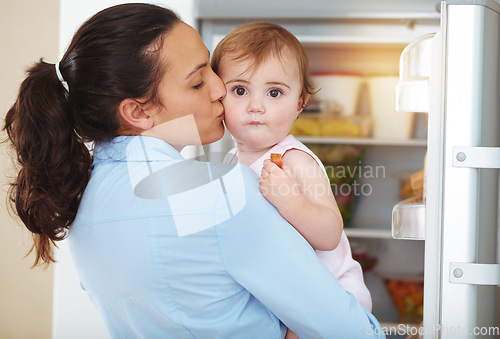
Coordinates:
453 76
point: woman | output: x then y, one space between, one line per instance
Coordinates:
164 247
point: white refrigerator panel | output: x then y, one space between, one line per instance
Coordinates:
461 199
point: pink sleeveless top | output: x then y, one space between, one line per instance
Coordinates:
339 261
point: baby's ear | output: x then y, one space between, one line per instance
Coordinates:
303 102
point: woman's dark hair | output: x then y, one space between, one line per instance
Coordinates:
113 56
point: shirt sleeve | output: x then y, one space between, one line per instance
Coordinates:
271 260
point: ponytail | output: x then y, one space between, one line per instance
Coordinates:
54 160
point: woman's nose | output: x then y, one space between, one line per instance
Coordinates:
218 90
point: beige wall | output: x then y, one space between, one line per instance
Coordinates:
28 31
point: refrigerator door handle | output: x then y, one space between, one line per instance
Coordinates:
476 157
474 274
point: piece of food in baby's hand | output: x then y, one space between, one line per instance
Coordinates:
276 159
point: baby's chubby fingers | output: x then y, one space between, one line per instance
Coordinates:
276 184
270 167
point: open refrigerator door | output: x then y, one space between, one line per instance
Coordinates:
454 77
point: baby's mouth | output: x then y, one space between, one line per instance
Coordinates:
256 123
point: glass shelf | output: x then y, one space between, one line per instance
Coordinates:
363 141
349 40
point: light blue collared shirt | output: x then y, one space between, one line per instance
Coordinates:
171 248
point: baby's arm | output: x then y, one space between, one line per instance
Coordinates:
302 194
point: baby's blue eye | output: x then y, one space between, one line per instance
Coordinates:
275 93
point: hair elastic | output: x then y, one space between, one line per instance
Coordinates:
60 77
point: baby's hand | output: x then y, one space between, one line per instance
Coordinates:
278 186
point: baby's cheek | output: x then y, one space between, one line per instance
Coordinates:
229 120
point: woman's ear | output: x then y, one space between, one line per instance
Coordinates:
132 112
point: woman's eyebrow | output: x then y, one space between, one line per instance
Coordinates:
196 69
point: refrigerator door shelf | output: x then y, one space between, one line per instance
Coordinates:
408 219
412 96
412 90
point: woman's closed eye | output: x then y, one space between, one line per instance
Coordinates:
200 85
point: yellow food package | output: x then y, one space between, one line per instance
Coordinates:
305 126
345 127
339 128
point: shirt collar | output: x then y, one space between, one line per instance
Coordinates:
135 148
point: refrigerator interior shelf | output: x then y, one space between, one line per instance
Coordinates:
367 233
408 219
363 141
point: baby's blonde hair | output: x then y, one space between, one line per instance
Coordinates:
259 41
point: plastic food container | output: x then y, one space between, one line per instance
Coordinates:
388 124
339 91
